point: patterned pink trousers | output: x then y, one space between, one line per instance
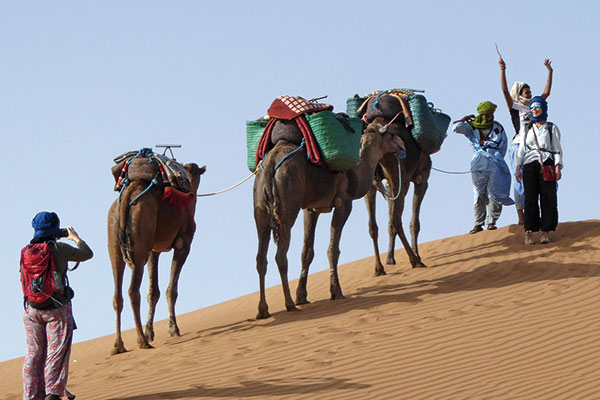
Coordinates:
46 367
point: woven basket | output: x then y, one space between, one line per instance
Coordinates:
254 130
339 146
352 105
429 124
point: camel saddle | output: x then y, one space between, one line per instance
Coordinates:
146 165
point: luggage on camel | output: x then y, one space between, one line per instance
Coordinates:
332 140
43 287
156 169
428 125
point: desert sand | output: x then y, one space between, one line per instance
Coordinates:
490 318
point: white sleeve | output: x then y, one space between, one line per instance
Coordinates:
556 146
520 154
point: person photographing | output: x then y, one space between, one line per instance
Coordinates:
48 316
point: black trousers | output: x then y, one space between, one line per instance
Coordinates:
539 194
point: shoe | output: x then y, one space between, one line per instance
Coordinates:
545 238
529 237
491 227
476 228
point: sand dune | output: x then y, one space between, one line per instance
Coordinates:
490 318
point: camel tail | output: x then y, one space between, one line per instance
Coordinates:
274 204
124 225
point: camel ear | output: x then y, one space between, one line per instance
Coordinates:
194 170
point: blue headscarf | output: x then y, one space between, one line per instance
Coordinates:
46 225
544 115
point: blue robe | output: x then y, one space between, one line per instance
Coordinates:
489 171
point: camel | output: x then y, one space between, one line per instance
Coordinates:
138 231
280 193
399 173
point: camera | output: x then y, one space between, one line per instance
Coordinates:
63 232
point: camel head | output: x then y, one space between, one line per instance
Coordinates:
384 137
194 172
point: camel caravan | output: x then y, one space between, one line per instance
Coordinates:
304 157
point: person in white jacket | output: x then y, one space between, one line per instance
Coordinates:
539 145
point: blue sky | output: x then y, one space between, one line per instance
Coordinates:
82 82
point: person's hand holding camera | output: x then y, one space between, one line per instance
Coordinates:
73 235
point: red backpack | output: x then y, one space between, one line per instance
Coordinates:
40 281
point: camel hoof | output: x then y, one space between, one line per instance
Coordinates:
390 261
300 301
118 350
419 264
292 308
263 315
174 332
380 272
149 333
145 345
338 296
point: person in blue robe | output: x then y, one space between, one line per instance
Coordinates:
489 171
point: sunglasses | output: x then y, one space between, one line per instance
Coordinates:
535 106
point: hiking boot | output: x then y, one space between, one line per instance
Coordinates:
529 237
491 227
545 238
476 228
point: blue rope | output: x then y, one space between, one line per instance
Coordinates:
376 103
124 184
154 182
289 155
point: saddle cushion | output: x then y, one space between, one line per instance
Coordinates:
289 107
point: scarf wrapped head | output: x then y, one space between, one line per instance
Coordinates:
515 93
46 225
483 109
544 115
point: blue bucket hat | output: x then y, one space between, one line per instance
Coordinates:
46 225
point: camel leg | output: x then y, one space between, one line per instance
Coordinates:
153 294
415 223
396 217
392 232
370 201
179 257
282 264
340 216
118 268
263 229
137 274
308 254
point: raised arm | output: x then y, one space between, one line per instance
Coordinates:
548 87
503 85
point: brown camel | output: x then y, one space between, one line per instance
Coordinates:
138 233
399 173
280 193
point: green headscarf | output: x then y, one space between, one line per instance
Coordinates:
483 109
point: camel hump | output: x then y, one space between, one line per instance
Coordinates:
286 130
386 106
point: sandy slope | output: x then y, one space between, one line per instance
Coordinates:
489 319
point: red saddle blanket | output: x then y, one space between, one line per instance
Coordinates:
289 107
312 147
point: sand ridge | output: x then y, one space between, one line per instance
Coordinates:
490 318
